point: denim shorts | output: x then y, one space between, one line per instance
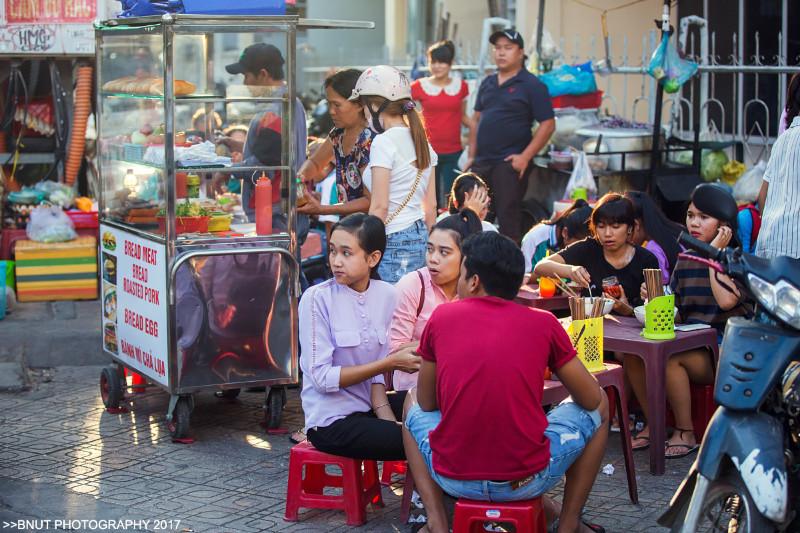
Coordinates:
569 429
405 252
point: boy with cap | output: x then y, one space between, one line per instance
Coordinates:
262 66
501 146
702 296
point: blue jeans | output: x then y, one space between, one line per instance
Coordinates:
405 252
569 429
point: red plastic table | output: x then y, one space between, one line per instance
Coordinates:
622 334
528 295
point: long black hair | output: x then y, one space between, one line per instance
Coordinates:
463 184
656 224
461 225
793 99
575 218
370 232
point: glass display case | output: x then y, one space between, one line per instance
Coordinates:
191 111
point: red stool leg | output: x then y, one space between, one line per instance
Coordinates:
293 487
408 492
390 468
703 408
372 487
353 488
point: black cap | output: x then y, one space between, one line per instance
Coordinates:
256 57
511 34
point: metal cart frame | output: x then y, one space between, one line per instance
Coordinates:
282 247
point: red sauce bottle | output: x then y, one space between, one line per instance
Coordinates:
263 205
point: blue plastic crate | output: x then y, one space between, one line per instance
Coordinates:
240 7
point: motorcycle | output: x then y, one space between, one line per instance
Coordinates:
746 478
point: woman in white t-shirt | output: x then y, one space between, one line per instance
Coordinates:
400 175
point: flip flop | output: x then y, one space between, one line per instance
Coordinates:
298 436
643 446
553 527
690 448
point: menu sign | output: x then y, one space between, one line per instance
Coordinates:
135 302
48 26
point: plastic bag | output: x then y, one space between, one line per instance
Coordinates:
581 177
143 8
746 189
56 193
667 66
569 79
550 49
49 223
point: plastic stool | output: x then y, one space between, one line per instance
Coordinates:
390 468
359 485
525 515
703 408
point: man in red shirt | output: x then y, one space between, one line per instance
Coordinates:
475 427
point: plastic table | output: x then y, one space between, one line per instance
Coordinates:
528 295
622 334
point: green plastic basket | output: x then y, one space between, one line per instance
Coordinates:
659 321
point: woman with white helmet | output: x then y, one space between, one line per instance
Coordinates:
400 176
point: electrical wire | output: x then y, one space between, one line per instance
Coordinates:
616 8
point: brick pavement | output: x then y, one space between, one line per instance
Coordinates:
62 456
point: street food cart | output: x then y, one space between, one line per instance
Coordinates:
193 299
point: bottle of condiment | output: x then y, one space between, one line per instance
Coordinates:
302 199
193 186
180 185
263 205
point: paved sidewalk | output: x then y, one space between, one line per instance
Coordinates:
63 457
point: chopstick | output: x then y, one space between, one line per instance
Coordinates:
564 287
652 279
628 307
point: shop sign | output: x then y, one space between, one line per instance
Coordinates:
135 302
47 26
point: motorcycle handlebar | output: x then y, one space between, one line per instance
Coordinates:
704 249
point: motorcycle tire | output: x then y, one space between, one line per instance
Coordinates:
718 499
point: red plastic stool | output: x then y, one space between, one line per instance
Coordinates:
359 486
525 515
703 408
390 468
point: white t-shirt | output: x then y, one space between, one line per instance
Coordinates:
394 149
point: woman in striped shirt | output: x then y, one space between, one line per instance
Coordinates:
703 297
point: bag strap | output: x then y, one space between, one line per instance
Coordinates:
421 293
407 199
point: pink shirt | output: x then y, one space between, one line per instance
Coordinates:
406 325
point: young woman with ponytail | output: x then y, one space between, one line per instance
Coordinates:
400 175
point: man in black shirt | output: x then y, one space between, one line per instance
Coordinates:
501 143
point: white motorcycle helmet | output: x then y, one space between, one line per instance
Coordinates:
384 81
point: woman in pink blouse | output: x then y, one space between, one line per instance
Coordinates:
347 411
421 291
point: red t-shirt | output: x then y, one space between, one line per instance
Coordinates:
490 357
442 109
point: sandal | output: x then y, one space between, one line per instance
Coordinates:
687 448
644 446
553 527
298 436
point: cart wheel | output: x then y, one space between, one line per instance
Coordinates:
228 394
111 390
179 425
275 402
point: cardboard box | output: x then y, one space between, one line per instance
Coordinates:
57 271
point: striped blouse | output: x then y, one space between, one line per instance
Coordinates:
696 304
780 221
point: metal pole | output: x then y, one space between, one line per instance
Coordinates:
740 76
654 149
784 52
540 32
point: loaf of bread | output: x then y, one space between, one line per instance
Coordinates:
148 85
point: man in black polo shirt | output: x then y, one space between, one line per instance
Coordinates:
507 105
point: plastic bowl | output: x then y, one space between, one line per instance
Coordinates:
639 312
608 305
